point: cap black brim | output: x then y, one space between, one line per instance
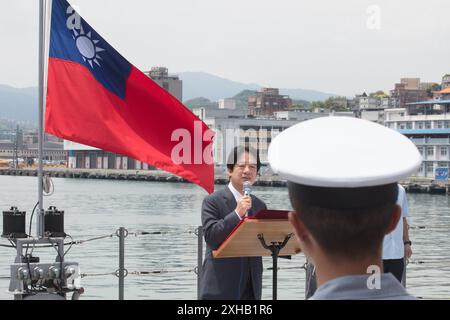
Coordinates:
343 198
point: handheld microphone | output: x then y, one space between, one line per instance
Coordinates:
247 188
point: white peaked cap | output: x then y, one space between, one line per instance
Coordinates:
342 152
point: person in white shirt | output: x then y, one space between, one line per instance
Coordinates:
396 245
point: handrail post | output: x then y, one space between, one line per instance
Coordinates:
121 262
199 258
405 262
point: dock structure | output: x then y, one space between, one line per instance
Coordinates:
134 175
412 185
424 185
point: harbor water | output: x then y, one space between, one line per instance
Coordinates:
95 208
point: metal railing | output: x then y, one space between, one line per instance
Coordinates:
121 273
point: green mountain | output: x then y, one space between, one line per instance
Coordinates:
201 102
242 98
241 101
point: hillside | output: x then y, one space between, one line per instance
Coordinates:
18 104
211 87
199 89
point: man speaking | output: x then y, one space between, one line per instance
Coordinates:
231 278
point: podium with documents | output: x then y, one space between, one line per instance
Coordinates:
267 233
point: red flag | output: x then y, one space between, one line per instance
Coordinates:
96 97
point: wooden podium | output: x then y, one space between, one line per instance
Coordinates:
268 233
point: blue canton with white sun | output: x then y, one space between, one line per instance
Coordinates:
73 39
87 46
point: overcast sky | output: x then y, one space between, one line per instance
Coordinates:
343 47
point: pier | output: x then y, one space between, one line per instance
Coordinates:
136 175
426 185
413 185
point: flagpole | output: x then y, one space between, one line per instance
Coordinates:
40 216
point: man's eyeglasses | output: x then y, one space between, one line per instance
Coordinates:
251 166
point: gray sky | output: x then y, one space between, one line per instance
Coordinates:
343 47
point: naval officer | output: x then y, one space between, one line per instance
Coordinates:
342 177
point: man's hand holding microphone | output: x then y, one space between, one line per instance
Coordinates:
245 203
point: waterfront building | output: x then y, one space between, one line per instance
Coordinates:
445 81
428 86
443 94
203 113
427 124
366 102
268 101
297 115
407 91
371 107
374 115
24 145
85 157
257 131
170 83
410 83
227 103
51 152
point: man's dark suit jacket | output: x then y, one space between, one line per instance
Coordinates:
225 278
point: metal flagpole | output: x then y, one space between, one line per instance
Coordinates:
40 216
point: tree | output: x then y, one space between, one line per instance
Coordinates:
331 104
380 94
298 106
318 105
434 87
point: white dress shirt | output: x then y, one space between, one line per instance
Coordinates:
393 246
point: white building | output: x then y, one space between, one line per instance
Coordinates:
227 104
297 115
81 156
258 132
445 81
373 115
367 102
386 103
427 124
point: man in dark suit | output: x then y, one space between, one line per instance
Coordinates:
231 278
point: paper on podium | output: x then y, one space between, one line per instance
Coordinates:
243 240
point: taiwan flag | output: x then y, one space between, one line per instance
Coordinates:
96 97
